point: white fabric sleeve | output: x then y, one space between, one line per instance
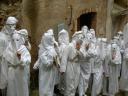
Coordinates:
25 55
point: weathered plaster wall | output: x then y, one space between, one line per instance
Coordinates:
40 15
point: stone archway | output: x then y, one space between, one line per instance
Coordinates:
88 19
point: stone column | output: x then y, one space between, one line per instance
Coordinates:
109 19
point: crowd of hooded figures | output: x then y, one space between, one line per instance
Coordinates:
85 63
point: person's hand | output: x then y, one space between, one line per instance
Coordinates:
55 44
36 66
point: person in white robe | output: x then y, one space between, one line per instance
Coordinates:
70 66
87 49
25 39
115 61
24 34
97 69
105 57
63 40
47 66
18 57
5 40
124 72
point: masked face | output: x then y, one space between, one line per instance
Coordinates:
18 40
11 27
26 38
114 47
48 40
89 37
63 38
84 30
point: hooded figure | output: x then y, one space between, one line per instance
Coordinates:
105 58
42 49
122 48
92 60
97 69
15 83
92 31
70 66
24 34
115 61
50 32
5 41
84 31
63 39
81 34
18 79
47 67
124 73
78 35
25 41
121 42
88 50
117 39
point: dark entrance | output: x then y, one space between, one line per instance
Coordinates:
88 19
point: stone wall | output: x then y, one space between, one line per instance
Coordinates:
10 10
119 23
40 15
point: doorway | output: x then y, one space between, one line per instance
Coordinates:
88 19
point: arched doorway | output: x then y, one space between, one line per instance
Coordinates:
88 19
